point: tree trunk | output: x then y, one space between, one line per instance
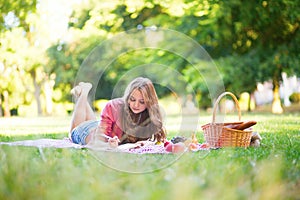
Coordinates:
276 104
249 102
1 111
49 84
6 104
37 93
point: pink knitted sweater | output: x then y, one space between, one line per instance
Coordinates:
110 118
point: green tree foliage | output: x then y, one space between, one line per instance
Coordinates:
255 40
265 33
65 60
14 13
13 76
24 38
14 79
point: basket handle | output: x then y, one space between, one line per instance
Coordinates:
217 103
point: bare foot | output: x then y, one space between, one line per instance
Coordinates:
76 91
85 87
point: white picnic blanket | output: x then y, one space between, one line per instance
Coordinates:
44 143
144 147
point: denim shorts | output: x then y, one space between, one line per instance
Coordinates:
79 133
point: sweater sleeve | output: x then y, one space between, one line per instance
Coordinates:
109 119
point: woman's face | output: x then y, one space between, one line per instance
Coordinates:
136 102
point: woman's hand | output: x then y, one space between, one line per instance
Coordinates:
113 142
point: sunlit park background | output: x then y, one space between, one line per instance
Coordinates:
254 44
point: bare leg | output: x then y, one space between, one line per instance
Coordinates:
82 111
76 91
90 115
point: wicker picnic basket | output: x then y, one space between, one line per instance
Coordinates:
221 135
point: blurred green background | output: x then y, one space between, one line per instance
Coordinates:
255 45
43 44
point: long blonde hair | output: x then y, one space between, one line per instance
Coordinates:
147 124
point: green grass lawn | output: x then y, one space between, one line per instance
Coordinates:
269 172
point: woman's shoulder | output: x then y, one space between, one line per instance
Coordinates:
113 107
118 102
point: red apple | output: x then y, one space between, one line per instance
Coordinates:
169 147
178 147
175 148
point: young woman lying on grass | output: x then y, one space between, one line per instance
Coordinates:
134 117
